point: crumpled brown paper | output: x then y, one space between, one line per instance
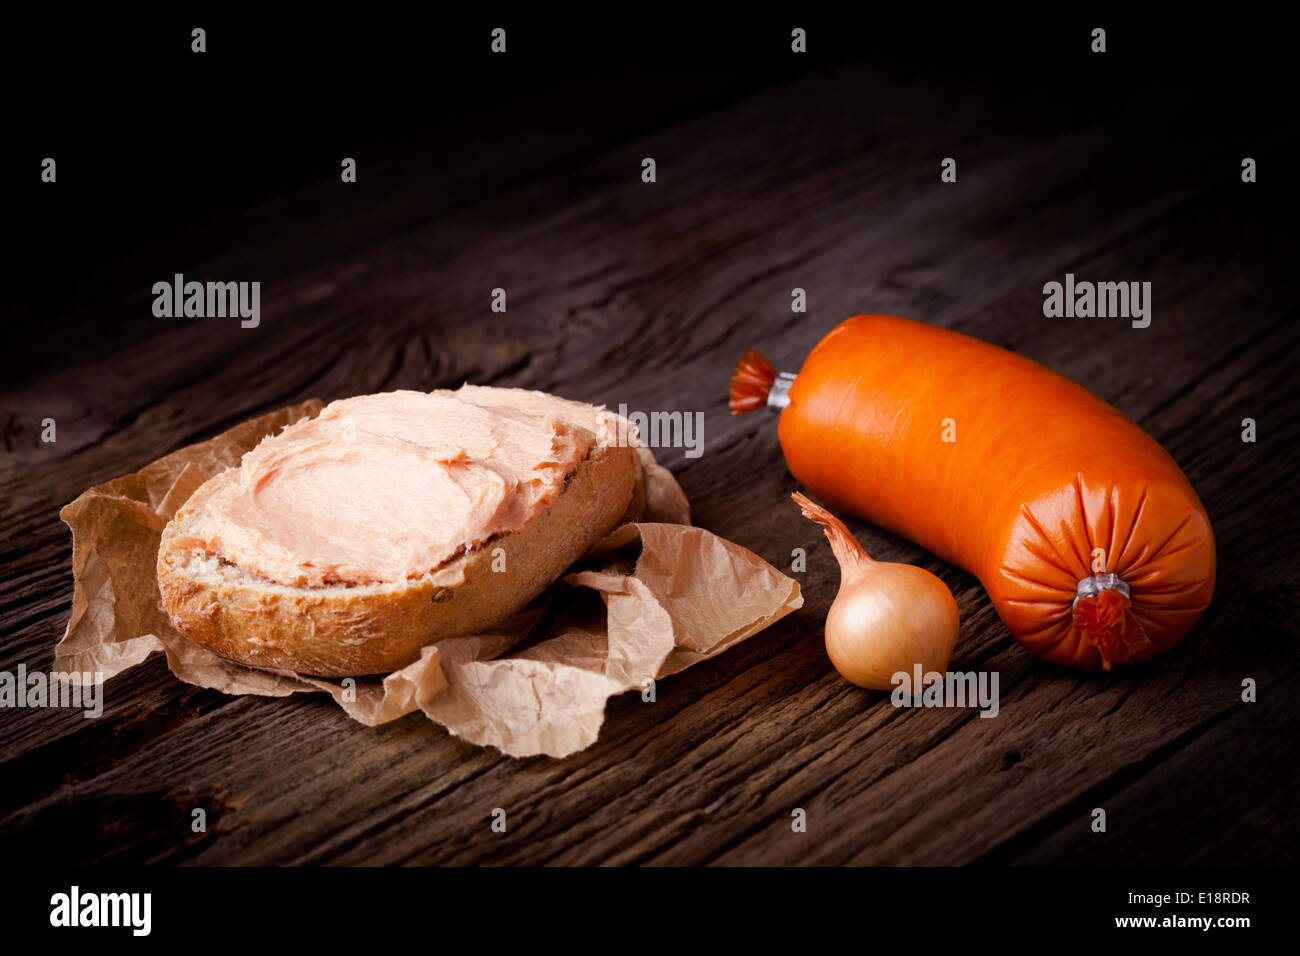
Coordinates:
537 684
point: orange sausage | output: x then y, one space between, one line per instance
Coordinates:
1007 469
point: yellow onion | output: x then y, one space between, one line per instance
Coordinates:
887 618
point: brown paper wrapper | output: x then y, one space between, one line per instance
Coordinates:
654 597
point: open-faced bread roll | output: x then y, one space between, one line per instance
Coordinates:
347 542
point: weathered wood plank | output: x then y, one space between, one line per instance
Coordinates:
623 292
1185 809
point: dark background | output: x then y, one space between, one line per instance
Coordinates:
153 141
775 170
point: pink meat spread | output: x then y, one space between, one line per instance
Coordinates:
383 488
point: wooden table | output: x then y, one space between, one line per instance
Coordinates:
619 291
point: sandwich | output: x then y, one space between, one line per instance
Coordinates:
347 542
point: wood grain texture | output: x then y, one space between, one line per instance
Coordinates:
623 292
